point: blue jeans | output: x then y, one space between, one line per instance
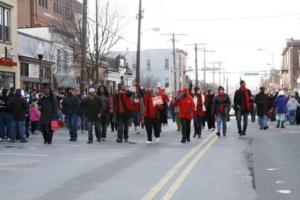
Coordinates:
5 124
136 118
239 114
292 117
72 122
263 121
198 122
83 122
18 126
221 121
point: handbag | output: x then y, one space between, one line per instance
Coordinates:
54 125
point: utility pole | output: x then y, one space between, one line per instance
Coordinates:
138 52
174 58
204 65
83 47
227 87
196 61
97 44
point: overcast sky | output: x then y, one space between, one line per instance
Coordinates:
234 29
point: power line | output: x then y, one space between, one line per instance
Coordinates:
224 18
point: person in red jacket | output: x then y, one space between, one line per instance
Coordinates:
199 111
151 115
186 107
123 111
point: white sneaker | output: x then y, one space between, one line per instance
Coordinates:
149 142
157 140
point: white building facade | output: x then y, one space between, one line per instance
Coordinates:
157 68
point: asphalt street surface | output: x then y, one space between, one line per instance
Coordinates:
261 165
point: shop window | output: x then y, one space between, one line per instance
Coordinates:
24 69
7 80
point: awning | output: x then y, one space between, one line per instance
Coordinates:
65 81
7 62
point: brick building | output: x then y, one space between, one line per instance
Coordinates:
39 13
290 68
53 21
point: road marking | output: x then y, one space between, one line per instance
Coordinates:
164 180
272 169
172 190
284 191
279 182
24 154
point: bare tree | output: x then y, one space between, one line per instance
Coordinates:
107 35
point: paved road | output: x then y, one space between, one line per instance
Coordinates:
255 167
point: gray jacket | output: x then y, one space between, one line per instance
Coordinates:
292 104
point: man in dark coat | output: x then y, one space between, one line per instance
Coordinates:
49 112
5 116
94 107
242 107
71 108
262 102
210 118
18 106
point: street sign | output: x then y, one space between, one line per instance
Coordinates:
251 74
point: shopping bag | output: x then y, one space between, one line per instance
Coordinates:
61 124
54 125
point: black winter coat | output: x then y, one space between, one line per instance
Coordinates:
239 97
94 107
262 103
18 106
4 104
71 105
225 102
49 109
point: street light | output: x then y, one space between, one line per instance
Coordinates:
40 53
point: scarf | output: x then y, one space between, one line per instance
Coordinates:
221 96
247 101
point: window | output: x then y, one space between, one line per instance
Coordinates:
68 11
7 80
4 24
24 69
66 59
148 64
167 63
58 60
43 3
57 6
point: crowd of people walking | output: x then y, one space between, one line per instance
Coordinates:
139 107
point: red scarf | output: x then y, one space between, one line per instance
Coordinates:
221 104
246 104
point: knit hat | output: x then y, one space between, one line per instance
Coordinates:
220 88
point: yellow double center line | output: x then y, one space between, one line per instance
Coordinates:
200 149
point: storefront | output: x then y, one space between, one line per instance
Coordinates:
35 75
7 73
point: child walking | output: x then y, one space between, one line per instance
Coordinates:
35 116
